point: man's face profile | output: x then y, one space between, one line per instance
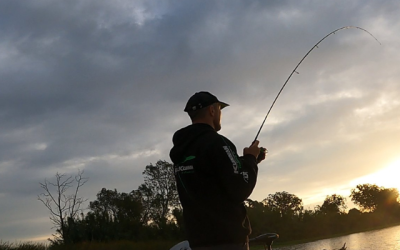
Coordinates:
217 116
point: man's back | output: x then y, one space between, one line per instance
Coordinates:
213 181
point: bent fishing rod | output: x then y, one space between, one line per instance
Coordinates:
294 70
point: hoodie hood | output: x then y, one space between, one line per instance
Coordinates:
184 137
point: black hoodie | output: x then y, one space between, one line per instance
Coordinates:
213 182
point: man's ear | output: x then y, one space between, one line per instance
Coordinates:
211 110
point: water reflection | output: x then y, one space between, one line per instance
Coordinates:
385 239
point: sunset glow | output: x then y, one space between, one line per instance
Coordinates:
388 177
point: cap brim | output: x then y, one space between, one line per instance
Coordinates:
223 105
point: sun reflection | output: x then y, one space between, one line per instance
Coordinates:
388 177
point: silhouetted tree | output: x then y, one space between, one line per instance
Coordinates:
333 204
286 204
365 196
115 215
158 194
63 206
387 200
262 218
117 206
371 197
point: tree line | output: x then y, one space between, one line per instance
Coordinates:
153 211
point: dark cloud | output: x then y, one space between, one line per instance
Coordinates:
100 86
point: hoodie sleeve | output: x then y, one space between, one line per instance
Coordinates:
238 175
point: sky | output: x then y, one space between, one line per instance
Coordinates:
100 86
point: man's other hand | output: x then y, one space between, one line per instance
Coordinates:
262 154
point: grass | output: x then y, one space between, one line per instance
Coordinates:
22 246
117 245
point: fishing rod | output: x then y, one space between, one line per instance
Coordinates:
294 70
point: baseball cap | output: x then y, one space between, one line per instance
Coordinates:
201 100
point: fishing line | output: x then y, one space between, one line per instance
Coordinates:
294 70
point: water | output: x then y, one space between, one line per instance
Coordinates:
383 239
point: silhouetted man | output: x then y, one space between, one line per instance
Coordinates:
213 181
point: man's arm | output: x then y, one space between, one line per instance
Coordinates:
238 175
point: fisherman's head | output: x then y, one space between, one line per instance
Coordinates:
204 107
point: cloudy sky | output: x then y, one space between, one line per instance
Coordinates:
100 86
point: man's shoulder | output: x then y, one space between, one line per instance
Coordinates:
225 140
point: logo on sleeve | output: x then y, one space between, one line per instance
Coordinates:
183 169
232 158
246 176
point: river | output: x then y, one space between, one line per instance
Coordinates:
383 239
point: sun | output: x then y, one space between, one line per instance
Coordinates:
391 175
388 177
